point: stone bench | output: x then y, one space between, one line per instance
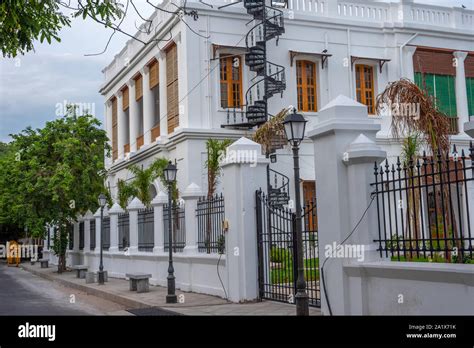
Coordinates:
44 263
139 282
80 271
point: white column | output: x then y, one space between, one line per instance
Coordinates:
114 213
87 232
240 182
163 94
158 202
461 89
133 116
97 231
76 236
408 68
191 195
148 107
108 127
121 122
133 208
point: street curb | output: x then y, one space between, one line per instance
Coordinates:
91 291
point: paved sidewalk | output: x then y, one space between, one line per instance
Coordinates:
117 290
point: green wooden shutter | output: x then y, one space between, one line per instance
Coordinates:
445 94
470 94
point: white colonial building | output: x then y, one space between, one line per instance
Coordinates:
168 97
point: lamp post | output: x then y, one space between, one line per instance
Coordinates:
102 203
170 177
295 125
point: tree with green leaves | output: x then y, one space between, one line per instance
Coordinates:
214 148
53 174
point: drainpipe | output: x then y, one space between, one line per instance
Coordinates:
401 52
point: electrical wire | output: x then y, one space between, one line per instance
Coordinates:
219 276
326 297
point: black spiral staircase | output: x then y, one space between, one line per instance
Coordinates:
270 77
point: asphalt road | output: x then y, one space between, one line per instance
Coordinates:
22 293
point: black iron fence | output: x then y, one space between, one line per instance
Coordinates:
178 228
106 233
123 231
146 221
423 208
92 234
210 216
70 229
81 235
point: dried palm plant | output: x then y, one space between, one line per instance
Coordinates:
432 124
272 133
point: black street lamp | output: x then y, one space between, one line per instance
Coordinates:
102 203
170 177
295 125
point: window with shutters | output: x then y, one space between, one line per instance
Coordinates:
139 99
138 87
231 81
172 88
306 85
442 88
365 86
125 98
114 129
154 86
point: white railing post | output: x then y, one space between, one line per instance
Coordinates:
191 195
133 208
114 213
158 202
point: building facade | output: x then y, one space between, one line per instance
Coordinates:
165 99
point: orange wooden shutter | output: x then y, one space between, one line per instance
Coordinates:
138 87
172 88
114 129
125 98
154 74
306 85
365 87
469 66
231 82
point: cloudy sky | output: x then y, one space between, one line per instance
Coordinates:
35 87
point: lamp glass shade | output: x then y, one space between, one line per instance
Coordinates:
170 173
102 200
295 125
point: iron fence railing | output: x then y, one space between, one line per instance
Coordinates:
70 229
81 235
178 228
423 208
210 216
123 231
106 233
92 234
146 221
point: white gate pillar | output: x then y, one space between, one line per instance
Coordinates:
241 180
344 152
158 202
133 208
114 213
191 195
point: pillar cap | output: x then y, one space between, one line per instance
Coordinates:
106 212
192 191
160 199
469 128
363 150
243 151
88 215
116 209
135 204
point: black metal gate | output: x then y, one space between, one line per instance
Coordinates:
277 250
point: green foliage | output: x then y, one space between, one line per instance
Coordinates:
280 255
221 244
51 175
215 149
125 192
410 147
23 22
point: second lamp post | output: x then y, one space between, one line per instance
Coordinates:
295 125
170 177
